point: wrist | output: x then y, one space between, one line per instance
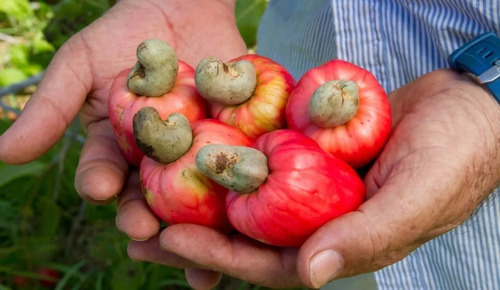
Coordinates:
473 79
479 94
484 114
480 58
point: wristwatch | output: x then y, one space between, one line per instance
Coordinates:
480 58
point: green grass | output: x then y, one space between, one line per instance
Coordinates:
43 221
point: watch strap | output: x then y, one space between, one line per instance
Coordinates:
481 58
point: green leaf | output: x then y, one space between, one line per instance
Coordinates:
69 9
9 214
127 275
44 12
70 273
19 54
4 125
42 45
22 60
19 9
49 219
11 75
9 173
248 14
31 69
41 249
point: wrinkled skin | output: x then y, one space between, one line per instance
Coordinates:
437 120
428 180
79 78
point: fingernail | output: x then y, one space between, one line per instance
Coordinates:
325 266
138 240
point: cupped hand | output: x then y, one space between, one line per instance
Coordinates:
441 161
80 75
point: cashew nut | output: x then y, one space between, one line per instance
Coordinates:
163 141
156 69
229 84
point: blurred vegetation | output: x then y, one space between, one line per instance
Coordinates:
43 221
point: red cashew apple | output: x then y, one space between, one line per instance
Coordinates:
20 281
283 188
51 277
158 80
344 108
176 191
249 92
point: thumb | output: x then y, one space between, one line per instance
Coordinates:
50 110
358 242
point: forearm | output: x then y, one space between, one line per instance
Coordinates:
485 114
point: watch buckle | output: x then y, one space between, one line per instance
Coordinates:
491 74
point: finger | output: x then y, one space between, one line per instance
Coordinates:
234 255
134 216
51 109
344 247
101 171
385 229
202 279
376 176
150 251
321 260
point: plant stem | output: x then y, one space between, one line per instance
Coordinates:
14 88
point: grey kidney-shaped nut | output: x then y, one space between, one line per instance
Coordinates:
162 140
228 84
155 71
239 168
334 103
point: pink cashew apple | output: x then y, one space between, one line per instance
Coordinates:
283 188
176 191
157 80
344 108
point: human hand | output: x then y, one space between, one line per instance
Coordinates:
441 161
79 78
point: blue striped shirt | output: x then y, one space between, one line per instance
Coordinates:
398 41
